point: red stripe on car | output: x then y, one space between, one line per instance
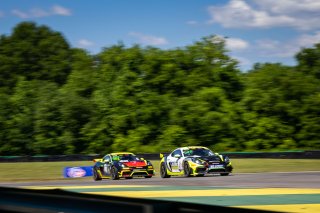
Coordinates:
135 163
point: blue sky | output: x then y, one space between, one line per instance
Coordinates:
255 30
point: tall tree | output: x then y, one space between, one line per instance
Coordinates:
34 62
273 103
20 121
142 91
309 60
309 64
35 52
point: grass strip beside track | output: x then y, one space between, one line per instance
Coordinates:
43 171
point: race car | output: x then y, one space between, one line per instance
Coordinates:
194 161
121 165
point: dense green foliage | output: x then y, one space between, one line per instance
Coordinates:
55 99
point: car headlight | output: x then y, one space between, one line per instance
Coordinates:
227 159
198 162
149 163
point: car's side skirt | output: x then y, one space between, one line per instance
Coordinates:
175 173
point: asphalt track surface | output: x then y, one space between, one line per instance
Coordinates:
263 180
282 191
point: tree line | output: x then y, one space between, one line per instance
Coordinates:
55 99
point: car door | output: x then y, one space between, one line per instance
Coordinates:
107 164
173 160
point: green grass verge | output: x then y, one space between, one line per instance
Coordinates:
44 171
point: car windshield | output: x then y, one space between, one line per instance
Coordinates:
197 151
127 157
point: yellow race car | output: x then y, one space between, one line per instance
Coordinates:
194 161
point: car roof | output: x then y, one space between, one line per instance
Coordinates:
193 147
122 153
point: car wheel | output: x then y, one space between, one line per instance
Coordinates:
224 174
96 176
163 171
187 169
114 173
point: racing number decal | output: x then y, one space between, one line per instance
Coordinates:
106 168
174 164
180 164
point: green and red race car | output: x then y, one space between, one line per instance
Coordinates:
194 161
121 165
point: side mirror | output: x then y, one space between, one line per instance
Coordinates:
177 156
161 156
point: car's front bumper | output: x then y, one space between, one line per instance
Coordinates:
134 172
217 168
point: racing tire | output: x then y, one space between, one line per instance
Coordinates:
163 171
114 173
224 174
187 169
96 176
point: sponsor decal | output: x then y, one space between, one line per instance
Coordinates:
77 172
216 166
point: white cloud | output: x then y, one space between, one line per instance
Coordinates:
236 44
274 48
58 10
289 6
149 39
20 14
38 12
307 40
244 63
237 14
85 43
299 14
268 44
